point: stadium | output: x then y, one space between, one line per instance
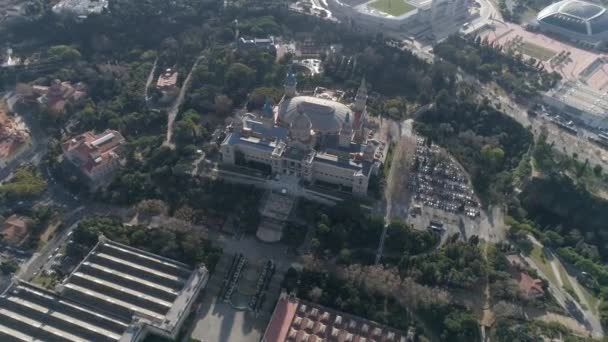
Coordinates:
582 22
411 18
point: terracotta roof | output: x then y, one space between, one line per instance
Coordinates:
15 229
93 151
12 137
297 320
167 79
530 286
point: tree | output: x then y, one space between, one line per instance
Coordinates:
26 182
223 104
153 207
493 156
239 78
597 170
63 53
9 266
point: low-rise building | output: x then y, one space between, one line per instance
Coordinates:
59 95
116 294
15 230
96 156
167 85
294 319
14 138
80 8
257 43
584 105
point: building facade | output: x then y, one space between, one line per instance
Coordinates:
314 139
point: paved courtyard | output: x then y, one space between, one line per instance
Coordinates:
568 60
222 322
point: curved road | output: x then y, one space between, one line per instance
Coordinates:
172 114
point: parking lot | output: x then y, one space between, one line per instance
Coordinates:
437 181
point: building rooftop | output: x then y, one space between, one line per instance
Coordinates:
80 8
294 319
15 229
13 135
574 15
93 151
30 313
167 79
255 133
325 115
114 294
581 98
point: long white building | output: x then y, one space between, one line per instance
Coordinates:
314 139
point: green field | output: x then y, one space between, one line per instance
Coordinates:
392 7
536 51
542 263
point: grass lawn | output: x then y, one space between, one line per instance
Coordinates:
392 7
591 299
46 281
536 51
542 263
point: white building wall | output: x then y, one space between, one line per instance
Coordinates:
332 174
257 155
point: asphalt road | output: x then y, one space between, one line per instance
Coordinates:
591 322
39 259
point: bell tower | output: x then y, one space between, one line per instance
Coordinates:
290 82
361 97
268 113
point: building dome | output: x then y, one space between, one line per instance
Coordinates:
325 116
300 127
576 17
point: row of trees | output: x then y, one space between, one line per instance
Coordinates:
491 62
190 247
380 294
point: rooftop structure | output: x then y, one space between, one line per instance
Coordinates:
581 103
576 20
294 319
96 156
117 293
15 230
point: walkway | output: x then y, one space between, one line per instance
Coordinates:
174 110
149 81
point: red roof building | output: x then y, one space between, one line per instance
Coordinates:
97 156
15 230
300 321
59 95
